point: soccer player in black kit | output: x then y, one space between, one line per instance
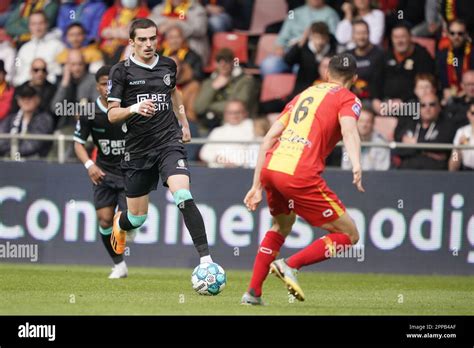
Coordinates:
142 94
109 190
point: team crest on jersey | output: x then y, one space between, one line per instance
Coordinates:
104 146
167 79
124 128
181 164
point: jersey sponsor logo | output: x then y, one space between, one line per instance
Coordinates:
167 79
158 99
114 147
136 82
109 86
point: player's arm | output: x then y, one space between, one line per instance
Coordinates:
180 112
351 139
95 173
80 137
117 114
254 196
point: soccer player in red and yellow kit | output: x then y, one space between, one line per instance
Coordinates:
290 162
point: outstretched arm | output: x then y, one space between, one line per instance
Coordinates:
254 196
178 108
351 139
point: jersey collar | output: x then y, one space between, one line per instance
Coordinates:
99 104
151 66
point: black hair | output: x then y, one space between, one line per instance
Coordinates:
103 71
141 23
343 65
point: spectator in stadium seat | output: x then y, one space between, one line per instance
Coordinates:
402 63
425 84
432 127
6 92
45 89
372 158
218 13
7 54
88 13
77 86
236 127
307 54
42 45
176 45
226 82
458 106
28 120
360 9
370 63
464 159
455 60
113 28
191 16
460 9
76 39
18 23
294 29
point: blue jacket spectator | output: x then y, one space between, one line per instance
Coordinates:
88 13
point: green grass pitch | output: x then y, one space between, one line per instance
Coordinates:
30 289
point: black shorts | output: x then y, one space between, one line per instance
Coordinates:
110 193
142 174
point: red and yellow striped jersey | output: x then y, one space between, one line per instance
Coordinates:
312 129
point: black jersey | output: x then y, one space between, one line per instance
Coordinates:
108 137
130 82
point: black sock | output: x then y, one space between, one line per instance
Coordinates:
124 222
115 257
195 224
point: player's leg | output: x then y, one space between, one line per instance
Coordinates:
138 184
343 232
267 252
105 216
179 186
128 220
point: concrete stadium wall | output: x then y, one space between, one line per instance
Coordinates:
410 222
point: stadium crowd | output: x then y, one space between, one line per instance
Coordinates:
240 61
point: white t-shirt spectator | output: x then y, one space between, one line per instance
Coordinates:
221 155
467 155
47 48
372 158
376 21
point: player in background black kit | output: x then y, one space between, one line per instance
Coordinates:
106 175
142 92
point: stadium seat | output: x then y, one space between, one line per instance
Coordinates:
427 43
265 12
238 43
277 86
265 47
385 125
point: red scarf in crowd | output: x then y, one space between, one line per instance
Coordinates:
453 80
